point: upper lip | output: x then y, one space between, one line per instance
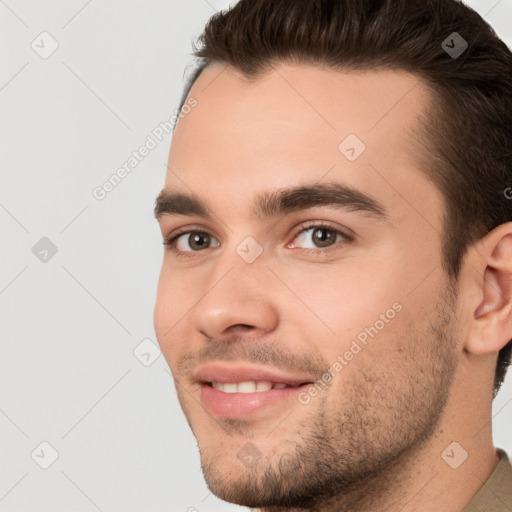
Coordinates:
217 372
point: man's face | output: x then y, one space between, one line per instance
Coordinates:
341 309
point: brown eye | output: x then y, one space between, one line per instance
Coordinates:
319 236
324 237
190 241
198 241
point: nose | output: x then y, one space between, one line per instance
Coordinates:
237 304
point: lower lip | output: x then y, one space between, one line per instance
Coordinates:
242 405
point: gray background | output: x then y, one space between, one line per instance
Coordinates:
70 324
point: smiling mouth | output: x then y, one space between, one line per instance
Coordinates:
250 386
241 391
249 399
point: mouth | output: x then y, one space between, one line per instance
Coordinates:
249 386
241 392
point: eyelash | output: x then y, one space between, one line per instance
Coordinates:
170 242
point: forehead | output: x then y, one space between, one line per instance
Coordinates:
295 124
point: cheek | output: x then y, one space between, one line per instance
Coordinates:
168 311
355 311
346 298
159 318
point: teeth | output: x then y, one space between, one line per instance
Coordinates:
248 386
263 386
245 387
229 388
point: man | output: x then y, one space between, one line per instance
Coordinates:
335 300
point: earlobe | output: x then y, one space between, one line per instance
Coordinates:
492 318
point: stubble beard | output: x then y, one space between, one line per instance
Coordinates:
345 453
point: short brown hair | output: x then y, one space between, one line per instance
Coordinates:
467 134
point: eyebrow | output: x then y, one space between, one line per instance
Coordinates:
279 202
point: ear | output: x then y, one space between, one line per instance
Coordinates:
491 262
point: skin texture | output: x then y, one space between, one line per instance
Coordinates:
373 438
